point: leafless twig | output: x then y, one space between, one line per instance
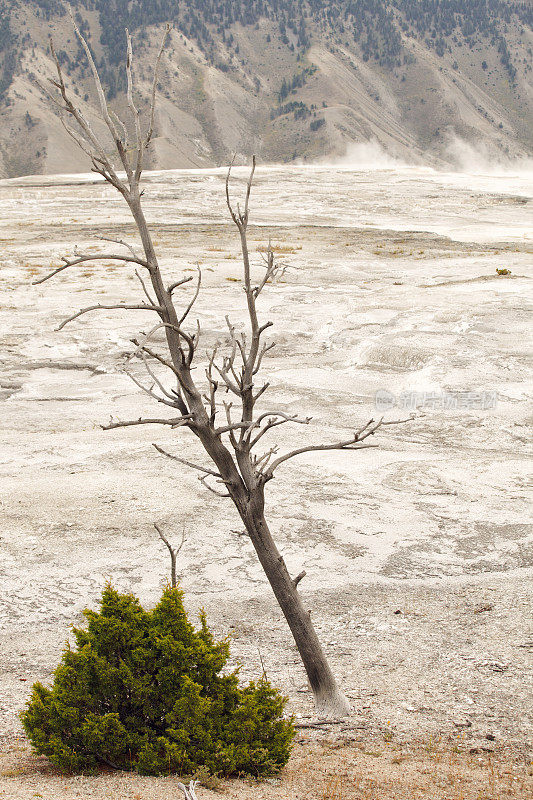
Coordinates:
82 259
112 307
173 552
205 470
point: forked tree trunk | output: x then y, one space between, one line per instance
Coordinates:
248 496
329 699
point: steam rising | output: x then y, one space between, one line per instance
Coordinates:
459 156
480 159
369 155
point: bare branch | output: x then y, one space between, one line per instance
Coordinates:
143 349
205 470
145 290
106 169
194 297
154 87
203 481
213 387
173 552
269 271
129 92
237 343
122 242
147 336
351 444
410 418
80 140
174 423
355 443
249 427
191 343
122 127
273 269
262 353
284 416
175 285
114 307
274 423
227 409
258 394
235 426
261 461
177 402
104 109
228 201
248 190
188 792
156 380
229 383
301 575
81 259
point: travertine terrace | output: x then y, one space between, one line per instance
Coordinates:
416 552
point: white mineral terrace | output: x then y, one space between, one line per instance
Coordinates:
391 286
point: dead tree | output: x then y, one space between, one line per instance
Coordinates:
241 464
173 551
189 792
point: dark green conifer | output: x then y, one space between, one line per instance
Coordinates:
144 691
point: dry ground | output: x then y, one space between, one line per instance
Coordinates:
335 766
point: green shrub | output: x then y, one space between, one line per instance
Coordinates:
144 691
317 123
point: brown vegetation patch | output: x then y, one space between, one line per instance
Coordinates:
328 769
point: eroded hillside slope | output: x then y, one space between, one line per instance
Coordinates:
285 80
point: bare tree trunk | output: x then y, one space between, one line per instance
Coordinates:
329 699
241 470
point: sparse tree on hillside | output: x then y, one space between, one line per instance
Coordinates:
240 463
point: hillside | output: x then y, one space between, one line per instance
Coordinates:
287 79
